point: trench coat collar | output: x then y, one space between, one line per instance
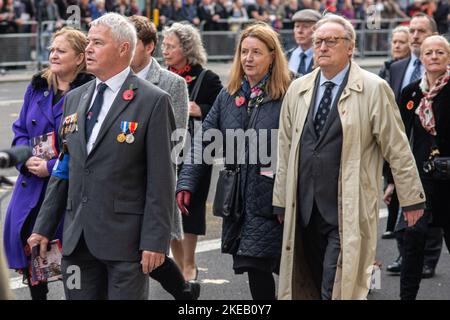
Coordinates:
354 83
154 72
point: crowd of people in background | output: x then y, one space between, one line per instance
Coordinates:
18 15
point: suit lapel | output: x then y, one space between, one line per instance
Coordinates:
118 106
310 100
81 116
402 71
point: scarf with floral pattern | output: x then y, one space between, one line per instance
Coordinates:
252 96
425 109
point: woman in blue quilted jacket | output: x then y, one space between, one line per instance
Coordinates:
250 106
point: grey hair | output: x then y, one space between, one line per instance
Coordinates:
122 30
334 18
404 29
190 41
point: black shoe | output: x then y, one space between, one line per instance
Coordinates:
388 235
427 272
395 266
191 290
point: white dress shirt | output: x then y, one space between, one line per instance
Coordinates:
294 60
114 84
143 73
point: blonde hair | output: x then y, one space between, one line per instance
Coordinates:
78 42
190 42
403 29
280 78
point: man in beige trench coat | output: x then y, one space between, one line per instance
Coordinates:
336 126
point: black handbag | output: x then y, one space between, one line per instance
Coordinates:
228 202
437 167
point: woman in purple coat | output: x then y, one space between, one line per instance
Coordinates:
37 127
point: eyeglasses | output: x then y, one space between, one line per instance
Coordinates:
168 47
329 42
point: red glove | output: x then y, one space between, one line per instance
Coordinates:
183 199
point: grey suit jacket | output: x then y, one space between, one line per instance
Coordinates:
120 196
176 87
319 165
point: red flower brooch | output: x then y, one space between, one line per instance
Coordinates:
189 79
239 100
410 105
128 95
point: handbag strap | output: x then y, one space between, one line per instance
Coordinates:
197 85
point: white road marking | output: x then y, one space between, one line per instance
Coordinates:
8 102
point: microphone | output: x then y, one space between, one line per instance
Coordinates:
11 157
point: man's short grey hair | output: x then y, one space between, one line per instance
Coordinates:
403 29
190 41
350 33
122 30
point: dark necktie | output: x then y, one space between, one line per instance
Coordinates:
92 115
324 108
416 75
301 67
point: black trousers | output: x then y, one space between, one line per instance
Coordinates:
322 247
393 208
414 243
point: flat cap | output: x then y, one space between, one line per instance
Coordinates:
306 15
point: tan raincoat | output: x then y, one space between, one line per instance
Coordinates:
372 129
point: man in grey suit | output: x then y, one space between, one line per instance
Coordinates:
146 67
118 199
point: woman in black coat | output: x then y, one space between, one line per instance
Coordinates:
399 50
185 55
259 80
424 106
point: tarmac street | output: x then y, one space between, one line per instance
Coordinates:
215 269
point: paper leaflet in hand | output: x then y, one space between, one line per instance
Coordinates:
48 269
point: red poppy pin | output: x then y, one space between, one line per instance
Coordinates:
189 79
410 105
128 95
239 101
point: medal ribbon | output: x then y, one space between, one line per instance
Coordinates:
124 126
133 126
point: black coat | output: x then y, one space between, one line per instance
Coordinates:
261 234
437 192
209 89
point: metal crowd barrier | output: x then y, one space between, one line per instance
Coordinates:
20 49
